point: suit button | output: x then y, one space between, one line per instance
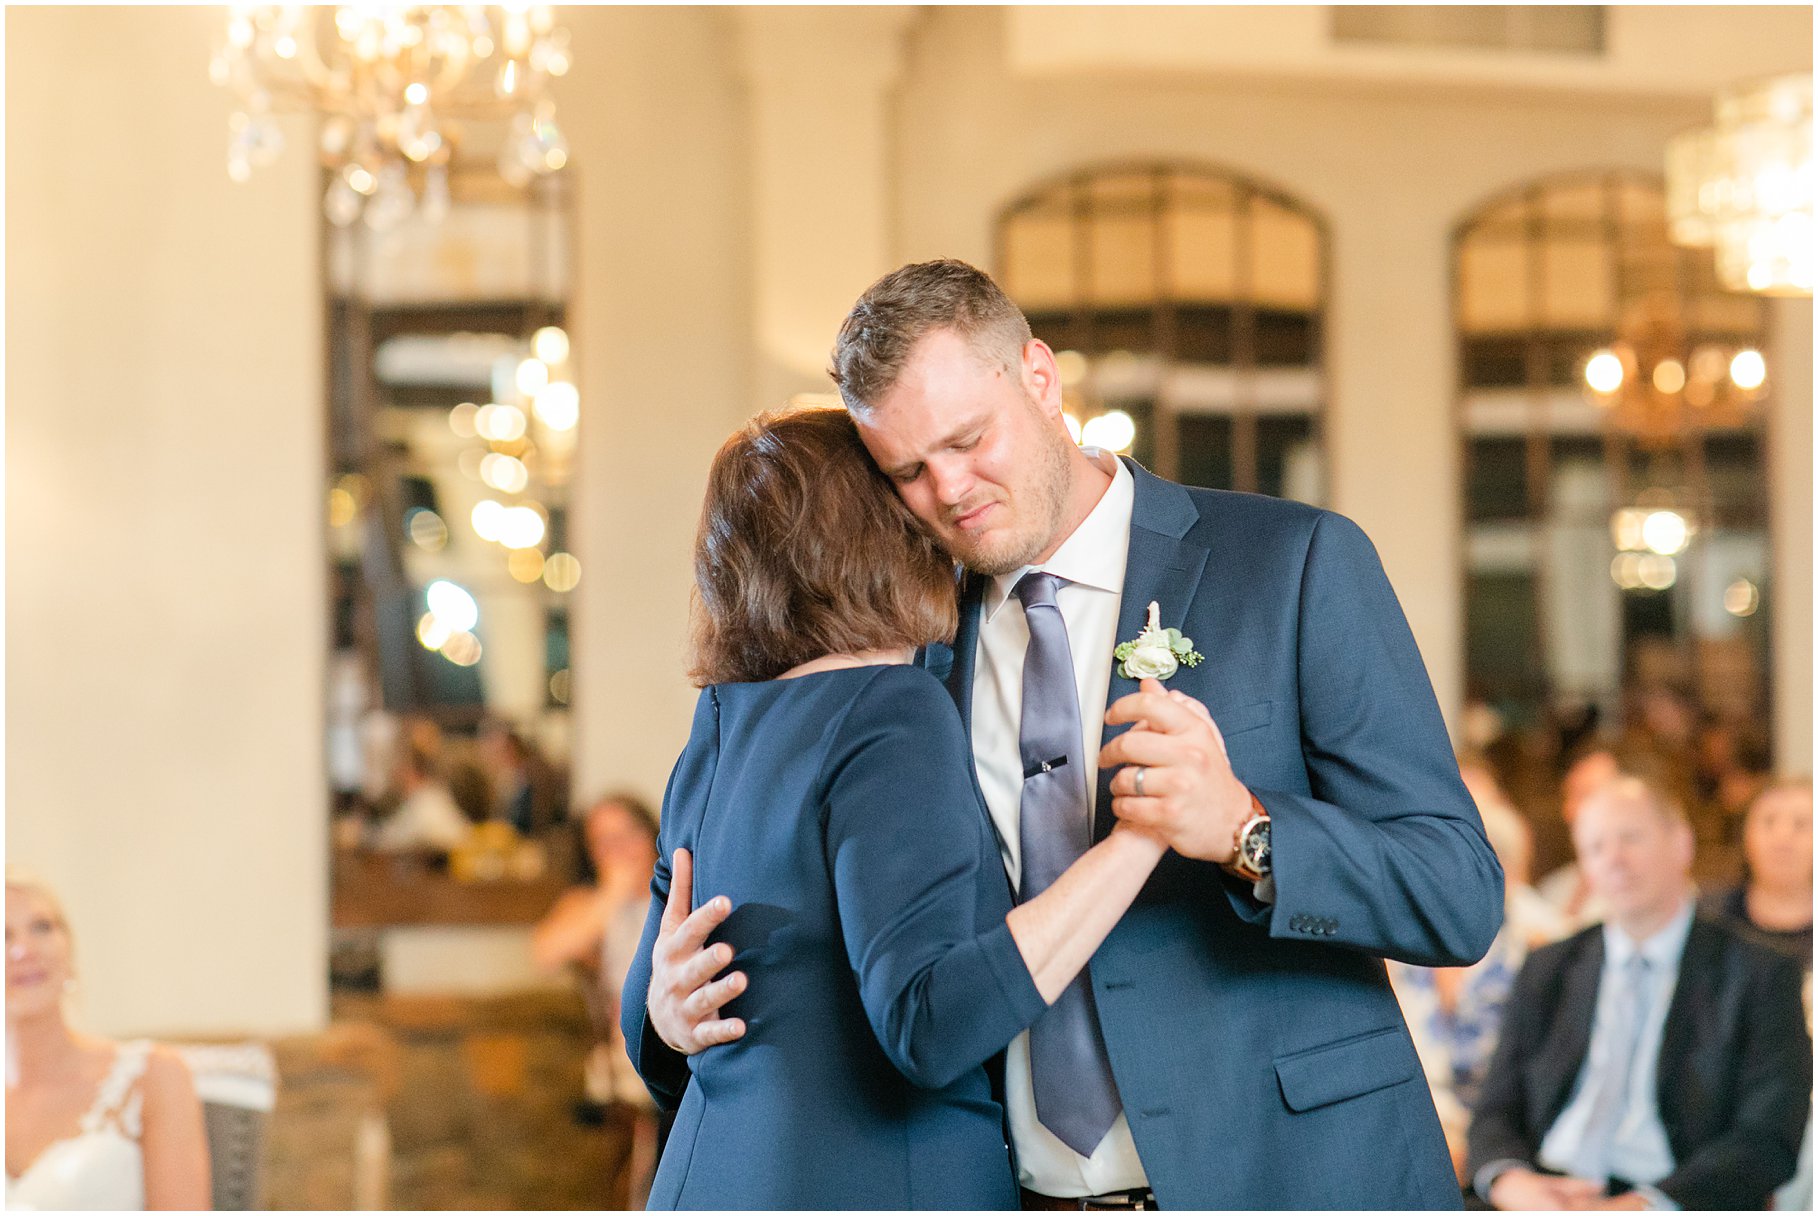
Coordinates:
1298 924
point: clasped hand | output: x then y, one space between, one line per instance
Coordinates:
1525 1190
1190 797
1191 801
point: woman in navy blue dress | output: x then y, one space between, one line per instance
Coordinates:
827 789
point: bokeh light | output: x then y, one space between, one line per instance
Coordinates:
532 375
1741 598
488 519
561 572
550 344
558 406
520 528
526 565
502 472
461 419
1113 430
427 529
1657 571
462 649
1665 532
1603 372
453 605
1748 370
500 422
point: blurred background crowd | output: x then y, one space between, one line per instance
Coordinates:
364 365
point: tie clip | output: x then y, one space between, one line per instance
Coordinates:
1046 766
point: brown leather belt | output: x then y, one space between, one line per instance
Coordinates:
1139 1200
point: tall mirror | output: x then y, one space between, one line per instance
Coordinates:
453 412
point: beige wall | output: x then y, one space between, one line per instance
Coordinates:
1647 47
165 599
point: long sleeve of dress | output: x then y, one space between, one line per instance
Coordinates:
904 839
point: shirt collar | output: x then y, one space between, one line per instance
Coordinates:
1097 552
1662 949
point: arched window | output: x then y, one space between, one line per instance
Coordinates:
1189 299
1611 408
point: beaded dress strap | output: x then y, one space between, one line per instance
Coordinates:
119 1101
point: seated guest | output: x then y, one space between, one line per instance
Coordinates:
1773 906
428 819
1773 903
1566 888
1455 1013
1654 1061
91 1125
529 789
595 930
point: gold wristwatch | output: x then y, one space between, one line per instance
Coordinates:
1251 859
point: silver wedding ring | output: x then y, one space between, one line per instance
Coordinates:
1140 770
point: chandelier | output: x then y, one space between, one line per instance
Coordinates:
1746 186
1653 385
399 87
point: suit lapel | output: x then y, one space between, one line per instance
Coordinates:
1163 568
1564 1055
1697 970
965 646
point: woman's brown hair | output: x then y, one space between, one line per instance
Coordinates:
804 550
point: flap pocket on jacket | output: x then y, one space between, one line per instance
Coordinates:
1321 1076
1242 718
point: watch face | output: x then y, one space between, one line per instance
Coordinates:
1256 847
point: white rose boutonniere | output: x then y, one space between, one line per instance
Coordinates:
1156 653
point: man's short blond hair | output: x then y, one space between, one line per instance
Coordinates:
1651 794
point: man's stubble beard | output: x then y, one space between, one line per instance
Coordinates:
1045 506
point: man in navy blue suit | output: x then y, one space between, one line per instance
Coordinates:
1235 1042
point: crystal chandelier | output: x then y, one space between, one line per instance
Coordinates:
1746 186
398 88
1654 386
1657 388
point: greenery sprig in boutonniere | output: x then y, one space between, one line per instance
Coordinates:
1156 653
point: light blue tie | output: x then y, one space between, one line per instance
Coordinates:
1628 1014
1075 1095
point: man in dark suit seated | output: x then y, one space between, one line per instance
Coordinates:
1655 1061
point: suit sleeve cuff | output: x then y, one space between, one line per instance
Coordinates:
1011 971
1486 1176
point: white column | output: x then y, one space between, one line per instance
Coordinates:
1790 523
820 82
660 329
166 620
1391 439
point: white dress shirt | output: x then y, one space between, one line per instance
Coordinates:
1639 1151
1092 560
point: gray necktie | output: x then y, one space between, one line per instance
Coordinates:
1628 1014
1075 1095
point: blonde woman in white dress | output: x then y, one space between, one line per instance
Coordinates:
91 1124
